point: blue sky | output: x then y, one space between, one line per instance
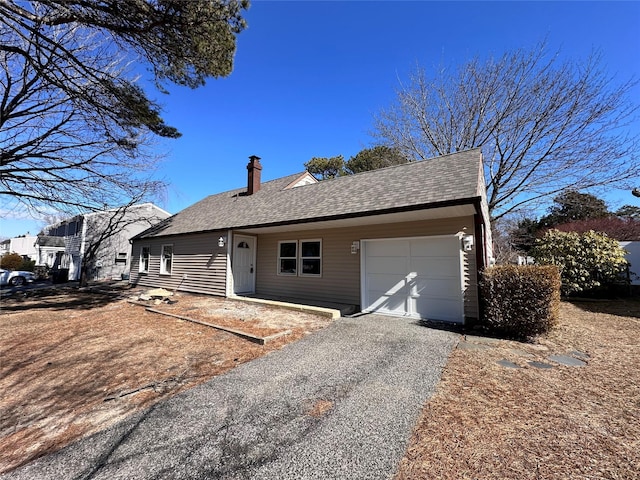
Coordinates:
309 76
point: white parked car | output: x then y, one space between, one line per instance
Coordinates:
15 277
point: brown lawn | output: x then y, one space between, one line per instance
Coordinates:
72 363
486 421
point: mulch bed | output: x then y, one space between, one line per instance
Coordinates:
486 421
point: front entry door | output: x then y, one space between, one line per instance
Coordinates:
244 259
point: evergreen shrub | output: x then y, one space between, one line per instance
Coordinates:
587 261
520 301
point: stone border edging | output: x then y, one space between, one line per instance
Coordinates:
245 335
322 311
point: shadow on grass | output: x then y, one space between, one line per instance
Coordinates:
52 383
57 299
625 307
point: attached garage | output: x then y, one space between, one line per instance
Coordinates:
407 240
416 277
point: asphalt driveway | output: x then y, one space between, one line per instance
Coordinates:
340 403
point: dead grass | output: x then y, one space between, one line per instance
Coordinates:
490 422
74 363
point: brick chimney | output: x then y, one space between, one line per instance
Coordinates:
253 177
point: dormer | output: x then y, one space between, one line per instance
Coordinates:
305 179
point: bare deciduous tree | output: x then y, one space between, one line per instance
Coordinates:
75 126
105 234
544 125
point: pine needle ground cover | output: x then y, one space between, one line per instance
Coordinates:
536 418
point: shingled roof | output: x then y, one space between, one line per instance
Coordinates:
450 179
50 241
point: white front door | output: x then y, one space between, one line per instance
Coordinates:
243 264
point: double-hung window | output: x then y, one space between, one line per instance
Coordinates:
300 258
310 258
166 260
288 257
144 259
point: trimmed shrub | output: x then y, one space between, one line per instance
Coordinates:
586 260
520 301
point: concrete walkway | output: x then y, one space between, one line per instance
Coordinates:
339 404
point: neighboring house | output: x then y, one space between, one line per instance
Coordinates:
64 244
403 240
23 245
50 251
633 257
5 247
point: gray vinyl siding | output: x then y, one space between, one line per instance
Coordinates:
340 280
205 264
197 256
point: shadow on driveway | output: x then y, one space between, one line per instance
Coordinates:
340 403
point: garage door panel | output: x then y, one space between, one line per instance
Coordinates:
444 309
392 304
391 248
418 277
391 265
435 247
440 267
386 284
434 288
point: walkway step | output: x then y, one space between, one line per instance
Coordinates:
567 360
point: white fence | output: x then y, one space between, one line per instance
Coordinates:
633 256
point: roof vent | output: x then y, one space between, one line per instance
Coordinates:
253 177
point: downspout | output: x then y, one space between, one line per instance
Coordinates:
229 271
82 247
479 232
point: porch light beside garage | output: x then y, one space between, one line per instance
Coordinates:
467 243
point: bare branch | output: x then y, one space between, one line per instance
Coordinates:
544 125
76 130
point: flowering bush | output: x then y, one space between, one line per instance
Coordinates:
586 260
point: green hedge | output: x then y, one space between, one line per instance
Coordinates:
520 301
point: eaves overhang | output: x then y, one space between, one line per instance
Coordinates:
444 209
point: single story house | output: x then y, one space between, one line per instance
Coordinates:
404 240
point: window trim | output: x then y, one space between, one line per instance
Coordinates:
141 265
121 257
299 258
302 258
280 257
163 269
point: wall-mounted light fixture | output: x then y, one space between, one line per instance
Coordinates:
355 246
467 243
222 241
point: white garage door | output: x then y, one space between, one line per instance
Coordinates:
416 277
